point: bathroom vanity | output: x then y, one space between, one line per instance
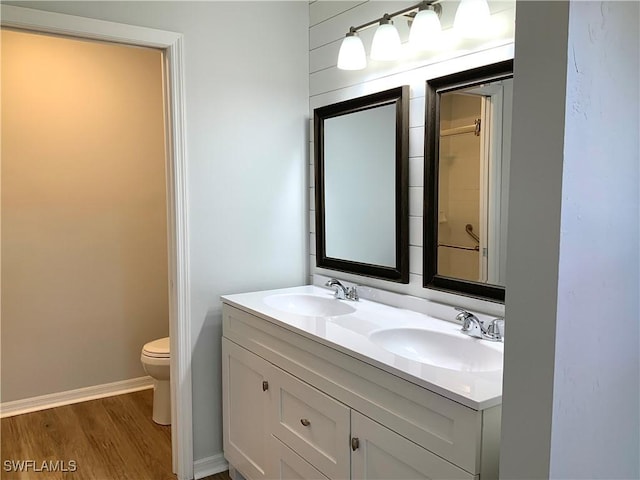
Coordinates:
317 388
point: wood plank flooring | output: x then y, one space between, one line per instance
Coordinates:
218 476
111 438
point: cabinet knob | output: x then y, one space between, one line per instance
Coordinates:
355 443
265 386
305 422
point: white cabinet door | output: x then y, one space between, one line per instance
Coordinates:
381 454
288 465
245 403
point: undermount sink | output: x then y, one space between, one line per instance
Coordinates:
461 353
308 305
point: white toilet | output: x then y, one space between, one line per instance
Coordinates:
155 361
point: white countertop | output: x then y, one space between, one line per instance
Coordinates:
349 334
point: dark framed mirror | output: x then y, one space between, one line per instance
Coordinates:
466 180
361 185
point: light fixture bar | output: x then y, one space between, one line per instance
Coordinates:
434 3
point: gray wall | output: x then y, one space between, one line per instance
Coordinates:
597 378
533 234
246 67
571 381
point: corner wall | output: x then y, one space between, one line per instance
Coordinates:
597 375
540 67
571 396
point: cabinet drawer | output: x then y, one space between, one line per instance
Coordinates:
312 424
288 465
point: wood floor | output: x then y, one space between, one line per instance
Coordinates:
112 438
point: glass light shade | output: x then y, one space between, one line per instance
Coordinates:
426 30
472 19
386 44
352 55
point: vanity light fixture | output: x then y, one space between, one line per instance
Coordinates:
472 19
386 44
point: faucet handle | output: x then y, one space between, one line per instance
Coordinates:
496 328
352 293
463 315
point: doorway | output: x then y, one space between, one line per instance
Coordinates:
177 242
84 237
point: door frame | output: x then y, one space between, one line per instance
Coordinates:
493 161
491 180
177 207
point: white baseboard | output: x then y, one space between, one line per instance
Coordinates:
33 404
209 466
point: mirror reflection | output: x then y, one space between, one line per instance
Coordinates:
361 174
471 184
359 198
468 152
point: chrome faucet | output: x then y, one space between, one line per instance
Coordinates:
474 327
342 292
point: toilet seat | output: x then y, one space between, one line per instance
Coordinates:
157 349
156 362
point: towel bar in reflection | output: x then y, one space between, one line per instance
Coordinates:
460 247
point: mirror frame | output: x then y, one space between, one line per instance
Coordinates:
456 81
400 97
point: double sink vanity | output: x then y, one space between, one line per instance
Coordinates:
318 385
315 387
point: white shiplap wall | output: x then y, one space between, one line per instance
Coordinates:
328 23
